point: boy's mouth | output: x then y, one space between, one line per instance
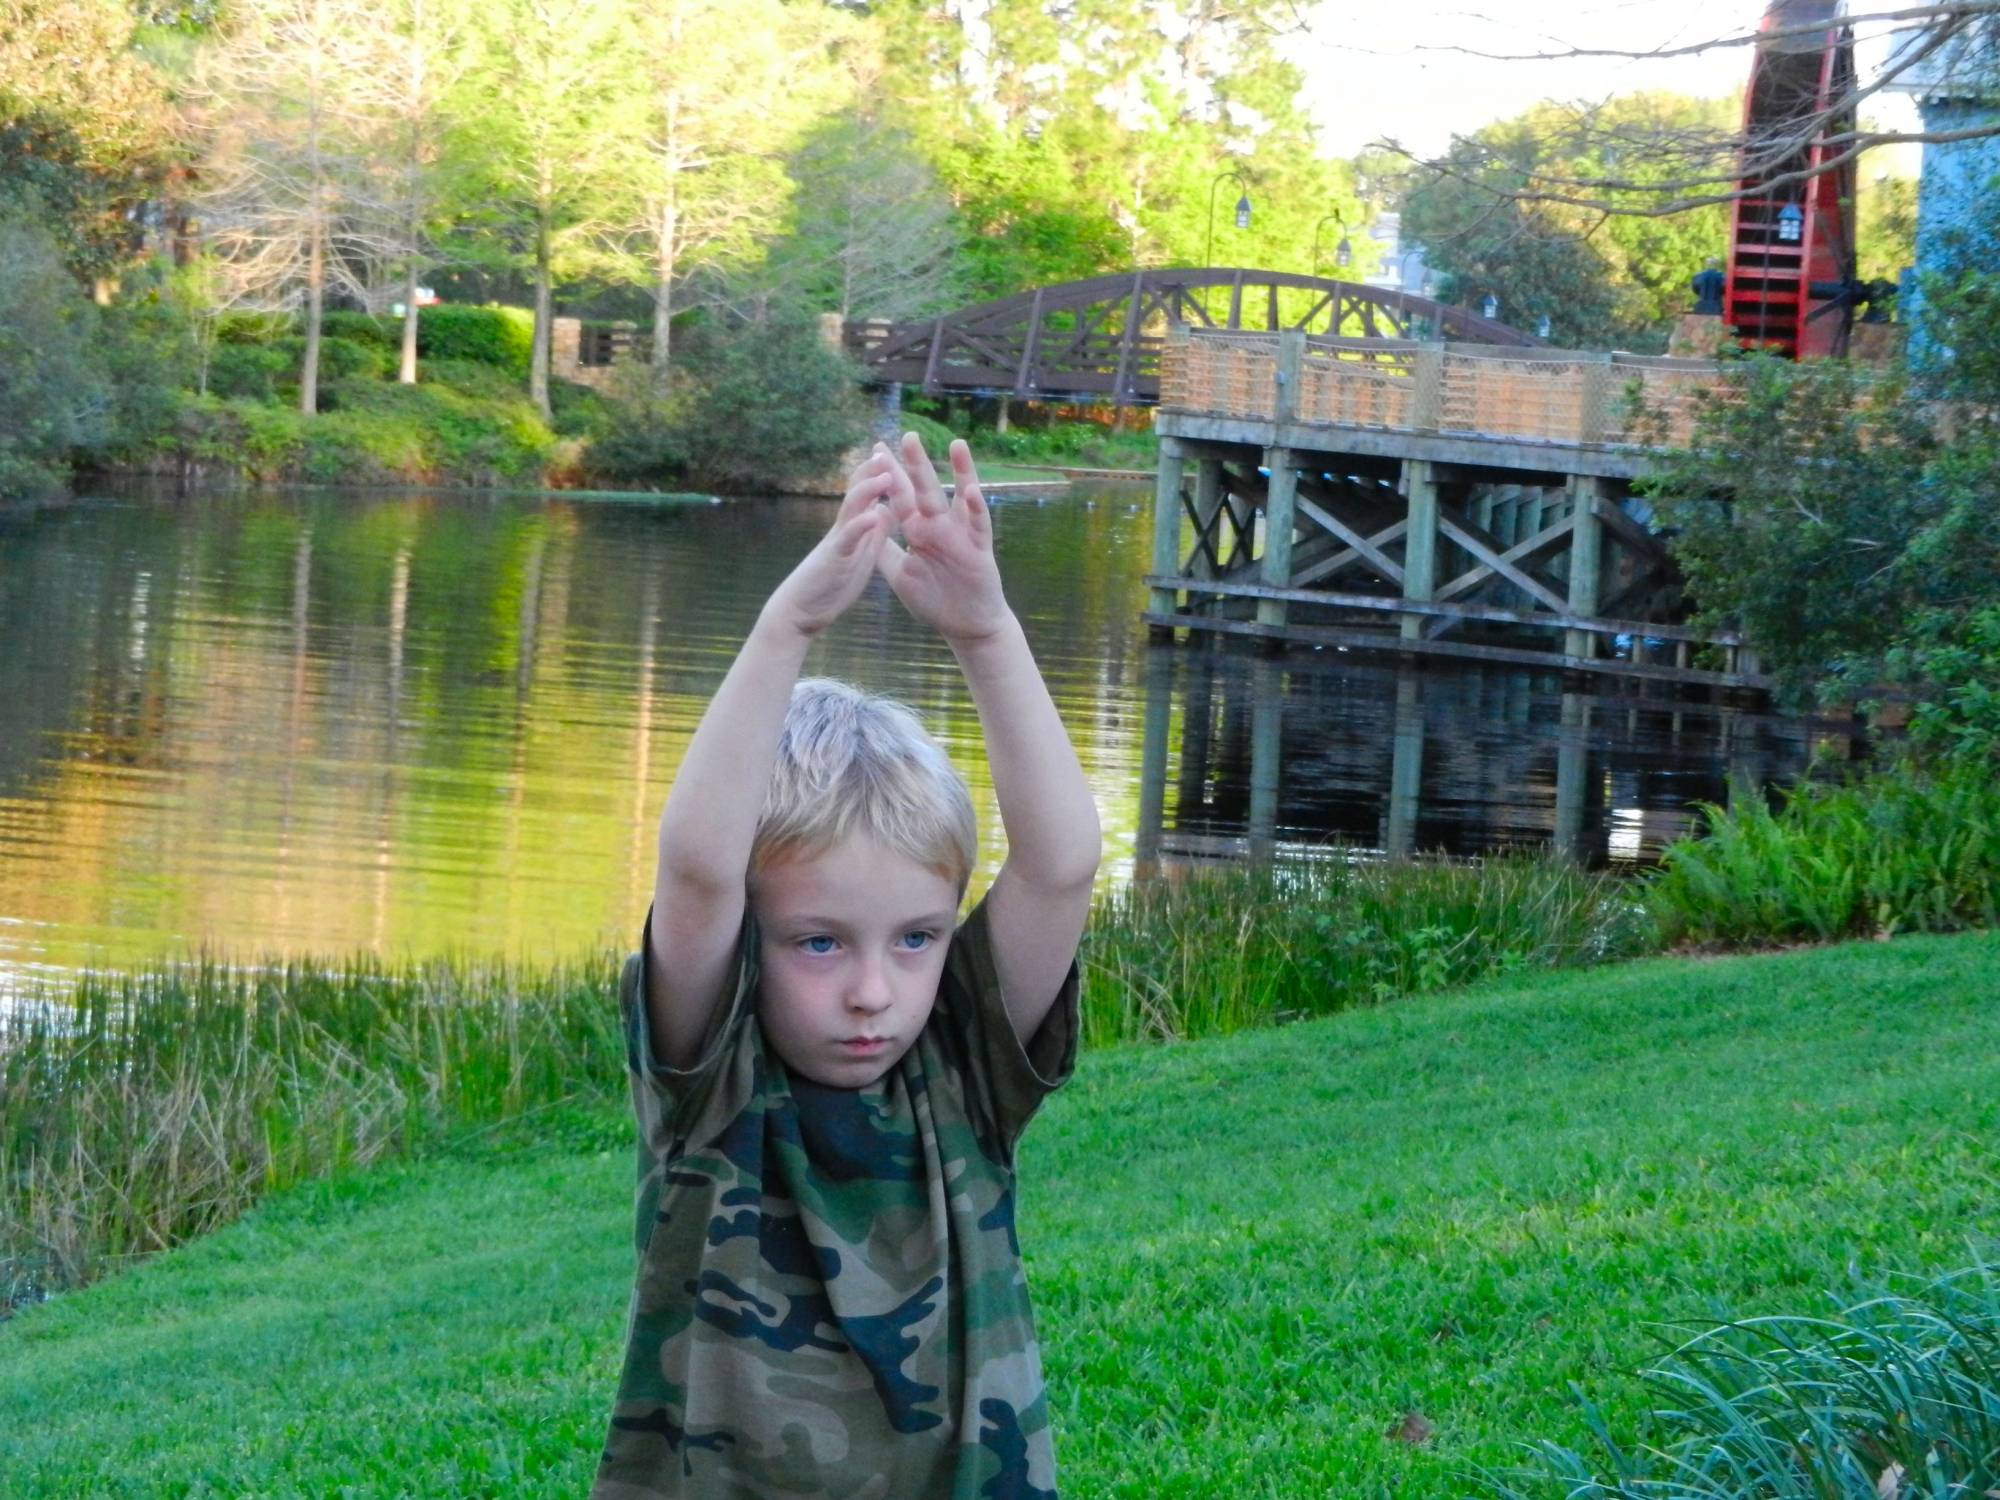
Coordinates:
862 1046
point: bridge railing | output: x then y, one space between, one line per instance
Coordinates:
1557 396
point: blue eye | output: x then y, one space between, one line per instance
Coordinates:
915 942
818 943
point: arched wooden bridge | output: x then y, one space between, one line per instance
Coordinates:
1100 339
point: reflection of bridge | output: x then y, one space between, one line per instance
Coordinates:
1100 339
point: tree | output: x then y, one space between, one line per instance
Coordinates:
871 231
1601 279
421 50
287 198
84 127
723 88
552 83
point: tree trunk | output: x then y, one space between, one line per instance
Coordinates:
538 354
406 373
663 290
315 303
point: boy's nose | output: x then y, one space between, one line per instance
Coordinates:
871 992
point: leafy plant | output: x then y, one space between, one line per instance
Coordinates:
1893 1397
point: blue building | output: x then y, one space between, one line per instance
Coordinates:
1956 89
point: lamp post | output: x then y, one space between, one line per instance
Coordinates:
1343 253
1242 221
1791 224
1489 309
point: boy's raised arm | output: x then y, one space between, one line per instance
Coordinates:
710 820
946 575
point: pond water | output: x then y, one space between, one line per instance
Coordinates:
320 722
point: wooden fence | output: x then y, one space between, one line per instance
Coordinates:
1556 396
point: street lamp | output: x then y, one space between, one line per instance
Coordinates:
1242 210
1490 308
1343 253
1242 222
1791 224
1542 326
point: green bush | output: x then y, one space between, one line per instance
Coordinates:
363 328
748 408
1903 850
471 377
53 394
1893 1397
503 336
269 370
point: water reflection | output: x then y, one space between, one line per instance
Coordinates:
316 722
1244 754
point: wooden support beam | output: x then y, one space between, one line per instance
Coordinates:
1420 546
1280 524
1167 525
1024 383
1488 551
1372 640
1520 552
1364 547
1327 566
1586 559
1489 613
1208 496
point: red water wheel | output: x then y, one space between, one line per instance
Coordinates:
1792 284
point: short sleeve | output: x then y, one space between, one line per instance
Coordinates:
1005 1081
666 1099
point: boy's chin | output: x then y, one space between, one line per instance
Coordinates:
833 1074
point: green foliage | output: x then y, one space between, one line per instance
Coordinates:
756 406
1843 522
502 336
1895 1394
1904 850
1952 663
53 393
1601 281
1246 946
363 328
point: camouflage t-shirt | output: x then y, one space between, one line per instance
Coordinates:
829 1300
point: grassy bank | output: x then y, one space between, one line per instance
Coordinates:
1258 1261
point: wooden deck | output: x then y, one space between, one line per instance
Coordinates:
1436 500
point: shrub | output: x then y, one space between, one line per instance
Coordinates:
363 328
1893 1397
503 336
1904 850
53 394
753 407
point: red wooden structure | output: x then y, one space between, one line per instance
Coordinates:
1792 286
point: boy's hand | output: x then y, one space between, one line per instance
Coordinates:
944 572
831 576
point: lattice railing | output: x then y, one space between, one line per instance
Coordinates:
1524 395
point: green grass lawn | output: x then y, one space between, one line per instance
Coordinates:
1251 1257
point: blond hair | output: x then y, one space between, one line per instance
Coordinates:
853 762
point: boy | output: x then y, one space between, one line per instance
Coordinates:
830 1079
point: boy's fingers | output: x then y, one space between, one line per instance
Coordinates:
870 482
889 561
857 530
966 480
930 494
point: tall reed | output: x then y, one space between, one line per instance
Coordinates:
140 1109
1235 946
1903 850
1893 1398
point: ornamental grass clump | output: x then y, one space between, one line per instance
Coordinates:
1909 849
138 1110
1218 950
1894 1398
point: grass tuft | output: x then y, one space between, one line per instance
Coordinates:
1238 946
138 1110
1897 1395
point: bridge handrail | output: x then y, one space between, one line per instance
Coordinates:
1568 397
